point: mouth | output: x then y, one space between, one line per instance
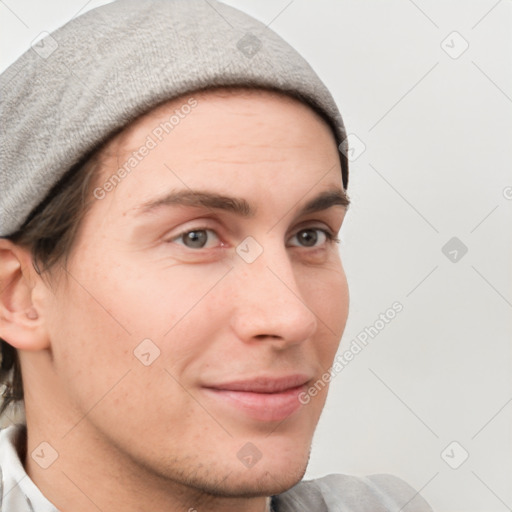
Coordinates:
263 398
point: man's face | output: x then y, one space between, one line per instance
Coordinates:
214 251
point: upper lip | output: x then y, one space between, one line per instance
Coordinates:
262 384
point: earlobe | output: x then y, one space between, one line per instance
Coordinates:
21 320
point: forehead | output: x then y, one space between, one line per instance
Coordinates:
194 114
224 140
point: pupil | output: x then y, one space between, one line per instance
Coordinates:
308 237
195 239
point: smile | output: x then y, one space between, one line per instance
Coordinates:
262 399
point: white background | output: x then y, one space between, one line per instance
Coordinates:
437 165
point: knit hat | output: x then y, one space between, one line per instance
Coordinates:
75 88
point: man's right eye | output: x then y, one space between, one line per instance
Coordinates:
197 239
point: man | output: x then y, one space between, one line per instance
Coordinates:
171 287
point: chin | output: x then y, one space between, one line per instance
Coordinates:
266 480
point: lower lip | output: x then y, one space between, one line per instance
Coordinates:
261 406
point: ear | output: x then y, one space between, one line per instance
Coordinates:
21 299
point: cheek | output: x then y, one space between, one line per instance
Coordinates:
100 319
326 294
88 339
160 296
335 302
107 310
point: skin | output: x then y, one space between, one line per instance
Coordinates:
133 437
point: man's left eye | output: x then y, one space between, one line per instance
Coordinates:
311 237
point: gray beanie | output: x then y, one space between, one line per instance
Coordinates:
74 89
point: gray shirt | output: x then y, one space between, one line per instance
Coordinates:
332 493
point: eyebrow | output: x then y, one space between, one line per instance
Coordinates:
325 200
238 206
198 199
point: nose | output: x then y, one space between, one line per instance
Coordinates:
269 304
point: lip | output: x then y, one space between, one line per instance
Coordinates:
261 398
